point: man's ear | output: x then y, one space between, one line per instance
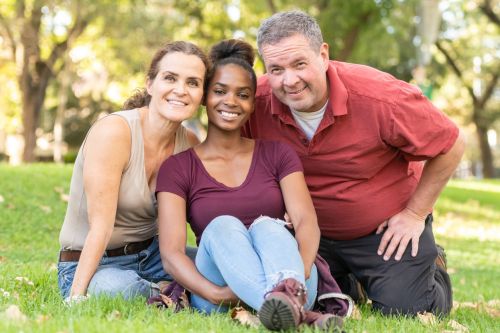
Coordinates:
325 55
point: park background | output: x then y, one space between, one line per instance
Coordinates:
65 63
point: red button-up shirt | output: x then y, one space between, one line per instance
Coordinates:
365 159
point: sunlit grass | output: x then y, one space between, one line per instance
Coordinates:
467 221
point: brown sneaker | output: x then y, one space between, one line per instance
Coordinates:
441 261
284 306
324 321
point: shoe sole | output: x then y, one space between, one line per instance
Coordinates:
332 324
277 314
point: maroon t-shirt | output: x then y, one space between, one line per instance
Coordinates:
206 198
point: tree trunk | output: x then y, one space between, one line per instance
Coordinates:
352 36
486 154
61 108
30 121
32 103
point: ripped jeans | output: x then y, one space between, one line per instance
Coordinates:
251 262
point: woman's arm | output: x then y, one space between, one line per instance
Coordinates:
106 151
301 211
172 236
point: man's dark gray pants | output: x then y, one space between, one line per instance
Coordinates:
408 286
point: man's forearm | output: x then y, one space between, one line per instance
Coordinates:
435 175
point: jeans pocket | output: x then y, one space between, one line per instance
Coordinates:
65 275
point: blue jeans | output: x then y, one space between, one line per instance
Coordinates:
128 275
251 262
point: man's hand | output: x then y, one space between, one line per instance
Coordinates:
402 228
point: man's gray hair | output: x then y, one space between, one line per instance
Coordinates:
285 24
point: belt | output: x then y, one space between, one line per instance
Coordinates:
131 248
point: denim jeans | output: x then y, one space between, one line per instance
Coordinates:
251 262
128 275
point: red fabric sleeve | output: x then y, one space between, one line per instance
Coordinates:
418 128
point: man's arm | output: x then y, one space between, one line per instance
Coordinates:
409 224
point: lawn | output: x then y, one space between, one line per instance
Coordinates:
32 206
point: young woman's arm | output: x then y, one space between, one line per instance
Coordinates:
172 236
301 211
106 151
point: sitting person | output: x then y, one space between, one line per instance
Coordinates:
109 239
233 191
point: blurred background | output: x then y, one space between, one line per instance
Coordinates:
64 64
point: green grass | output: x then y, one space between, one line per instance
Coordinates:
467 223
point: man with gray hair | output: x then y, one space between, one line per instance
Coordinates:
363 137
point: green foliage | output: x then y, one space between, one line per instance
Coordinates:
31 212
70 157
472 42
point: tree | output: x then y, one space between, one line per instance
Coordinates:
469 46
377 33
27 26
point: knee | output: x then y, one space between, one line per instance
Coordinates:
398 302
224 224
266 224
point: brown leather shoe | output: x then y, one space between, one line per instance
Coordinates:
324 321
284 306
441 261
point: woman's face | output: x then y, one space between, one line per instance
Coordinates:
177 89
230 97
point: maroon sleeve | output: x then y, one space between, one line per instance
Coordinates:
287 160
418 128
173 177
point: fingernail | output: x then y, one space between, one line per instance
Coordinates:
379 253
386 258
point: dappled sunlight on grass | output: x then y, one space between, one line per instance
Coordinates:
467 224
489 186
469 209
454 225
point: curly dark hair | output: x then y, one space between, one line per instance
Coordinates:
232 51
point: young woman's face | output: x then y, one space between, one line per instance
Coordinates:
177 90
230 97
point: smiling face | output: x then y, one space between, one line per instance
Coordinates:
230 97
297 73
177 89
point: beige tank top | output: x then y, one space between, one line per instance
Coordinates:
137 208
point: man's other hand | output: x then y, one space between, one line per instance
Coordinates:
402 228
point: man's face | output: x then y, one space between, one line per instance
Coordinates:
297 73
